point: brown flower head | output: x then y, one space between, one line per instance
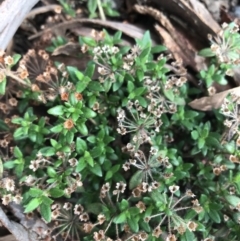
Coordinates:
84 217
171 237
87 227
99 236
17 198
78 96
67 206
157 232
6 199
192 226
8 60
141 206
101 218
136 192
13 101
217 171
78 209
64 96
68 124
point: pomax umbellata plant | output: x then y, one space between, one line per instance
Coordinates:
115 152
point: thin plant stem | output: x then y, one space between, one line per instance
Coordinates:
101 12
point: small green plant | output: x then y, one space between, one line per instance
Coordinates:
113 152
96 8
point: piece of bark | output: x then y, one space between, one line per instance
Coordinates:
192 12
169 42
19 232
9 237
12 14
214 7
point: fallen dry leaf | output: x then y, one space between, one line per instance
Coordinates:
208 103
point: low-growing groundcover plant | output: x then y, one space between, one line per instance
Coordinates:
114 152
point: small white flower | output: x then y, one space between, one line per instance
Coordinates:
173 188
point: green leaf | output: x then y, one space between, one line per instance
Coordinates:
145 41
194 135
47 151
33 204
136 179
96 151
88 158
121 218
53 142
133 224
3 86
91 139
201 143
96 169
130 86
95 208
95 86
145 53
69 137
81 164
3 126
230 147
117 36
9 164
233 200
47 200
45 211
123 205
82 128
207 52
88 113
169 94
189 236
81 146
213 141
56 192
214 215
92 6
140 74
118 83
136 92
142 101
16 58
35 192
51 171
158 49
89 41
109 174
56 110
57 128
82 84
17 152
1 169
90 69
190 114
133 211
